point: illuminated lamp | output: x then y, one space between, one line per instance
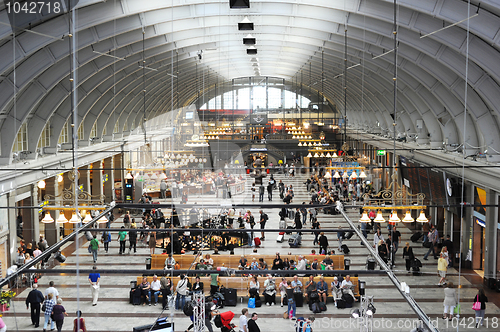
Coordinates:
41 184
48 218
379 218
364 217
88 217
362 175
408 217
422 217
309 155
336 175
394 217
74 219
62 219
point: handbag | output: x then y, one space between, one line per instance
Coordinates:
456 311
44 306
476 305
251 303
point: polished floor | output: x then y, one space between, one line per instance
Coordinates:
114 313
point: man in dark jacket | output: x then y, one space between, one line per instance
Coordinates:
252 324
34 298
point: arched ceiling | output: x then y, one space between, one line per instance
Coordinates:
291 37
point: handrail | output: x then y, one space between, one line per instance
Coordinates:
24 268
411 301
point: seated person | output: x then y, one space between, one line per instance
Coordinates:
201 265
328 263
322 288
253 287
270 290
198 286
310 287
347 286
262 264
296 284
277 263
209 261
254 265
315 265
145 288
169 262
243 263
336 289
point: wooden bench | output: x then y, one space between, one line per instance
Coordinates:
241 283
232 261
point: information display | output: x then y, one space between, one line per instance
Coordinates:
437 185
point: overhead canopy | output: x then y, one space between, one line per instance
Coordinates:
194 44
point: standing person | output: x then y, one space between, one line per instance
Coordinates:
58 313
449 245
34 299
106 239
3 327
270 186
292 306
442 269
94 246
262 222
163 189
252 323
297 221
315 225
42 243
363 230
395 236
433 237
51 290
126 219
377 237
481 298
282 287
132 237
450 301
248 227
49 304
182 290
166 290
152 241
94 279
281 187
261 192
408 256
243 325
323 243
79 323
121 238
253 191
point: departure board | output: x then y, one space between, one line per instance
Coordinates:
437 186
424 181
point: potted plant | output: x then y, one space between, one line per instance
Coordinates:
5 300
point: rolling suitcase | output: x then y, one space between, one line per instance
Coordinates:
282 224
281 237
345 249
256 241
230 297
415 237
299 299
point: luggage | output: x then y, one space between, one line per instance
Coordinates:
315 308
341 304
415 237
345 249
281 237
136 296
294 240
347 298
416 264
349 235
299 299
426 244
230 297
282 224
258 303
314 297
256 241
371 263
289 232
251 303
188 309
218 321
322 306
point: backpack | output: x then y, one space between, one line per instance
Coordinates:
315 308
188 309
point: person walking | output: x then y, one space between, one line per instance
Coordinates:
152 241
482 299
243 325
270 187
323 243
442 269
163 189
450 301
408 256
121 238
261 193
58 313
106 239
34 300
262 222
94 246
79 323
49 305
433 237
252 323
132 237
94 279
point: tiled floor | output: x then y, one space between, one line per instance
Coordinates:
114 313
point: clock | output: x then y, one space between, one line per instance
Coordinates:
449 187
